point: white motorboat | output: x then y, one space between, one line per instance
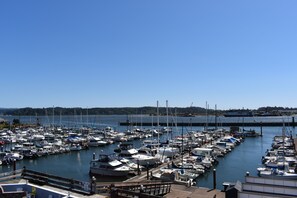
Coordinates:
131 164
176 175
96 141
168 151
108 165
289 174
126 149
145 160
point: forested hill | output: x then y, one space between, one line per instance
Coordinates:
179 111
186 111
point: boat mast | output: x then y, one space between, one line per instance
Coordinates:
216 117
283 136
152 130
206 125
141 120
182 150
81 119
158 123
61 118
167 129
87 116
53 116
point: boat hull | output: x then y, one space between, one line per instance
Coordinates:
110 173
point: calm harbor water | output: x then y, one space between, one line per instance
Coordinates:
245 157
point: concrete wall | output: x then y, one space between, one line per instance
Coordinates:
32 190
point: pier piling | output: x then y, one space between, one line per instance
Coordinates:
147 173
93 185
14 167
214 179
138 169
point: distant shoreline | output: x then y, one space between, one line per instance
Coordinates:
178 111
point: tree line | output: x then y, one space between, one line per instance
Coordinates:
28 111
180 111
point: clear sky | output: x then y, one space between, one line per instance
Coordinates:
131 53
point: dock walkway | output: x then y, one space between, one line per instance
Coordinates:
144 174
177 190
181 191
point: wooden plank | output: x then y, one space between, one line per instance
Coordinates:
10 173
10 177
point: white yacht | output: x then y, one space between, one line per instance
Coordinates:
168 151
126 150
107 165
96 141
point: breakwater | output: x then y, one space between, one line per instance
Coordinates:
290 123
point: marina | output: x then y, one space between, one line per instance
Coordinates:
86 86
230 166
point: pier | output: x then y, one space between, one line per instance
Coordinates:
213 124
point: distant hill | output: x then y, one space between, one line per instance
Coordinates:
187 111
180 111
4 111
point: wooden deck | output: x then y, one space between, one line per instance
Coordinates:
180 191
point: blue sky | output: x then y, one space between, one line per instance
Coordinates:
131 53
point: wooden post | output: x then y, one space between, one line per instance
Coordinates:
147 172
14 167
138 169
93 185
71 184
24 171
214 179
261 129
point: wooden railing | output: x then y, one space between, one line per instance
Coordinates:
121 193
59 182
12 175
152 189
145 189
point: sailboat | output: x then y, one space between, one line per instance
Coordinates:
281 168
167 151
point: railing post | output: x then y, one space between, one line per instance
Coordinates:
93 185
147 171
14 167
71 184
23 171
138 169
214 179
